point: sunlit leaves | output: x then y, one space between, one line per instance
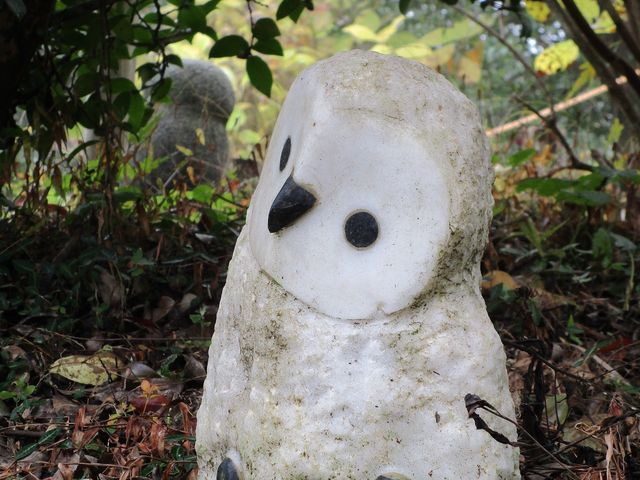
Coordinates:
538 10
557 57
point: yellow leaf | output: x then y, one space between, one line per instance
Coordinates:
87 369
367 18
414 51
460 30
385 33
362 33
192 174
440 56
587 73
615 131
382 48
589 9
200 136
470 66
538 10
556 58
497 277
184 150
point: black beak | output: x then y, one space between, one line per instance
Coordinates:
290 204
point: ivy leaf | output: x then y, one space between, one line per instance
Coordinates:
229 46
270 46
265 28
259 75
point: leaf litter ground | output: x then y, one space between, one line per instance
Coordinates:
104 346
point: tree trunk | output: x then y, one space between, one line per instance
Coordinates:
605 62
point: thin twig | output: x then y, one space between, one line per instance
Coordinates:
551 124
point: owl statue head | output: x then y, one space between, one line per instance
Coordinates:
375 192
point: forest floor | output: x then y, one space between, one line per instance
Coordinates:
104 343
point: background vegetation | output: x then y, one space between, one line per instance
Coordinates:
108 292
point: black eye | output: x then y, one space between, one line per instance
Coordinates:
361 229
284 156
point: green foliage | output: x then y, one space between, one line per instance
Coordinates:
79 76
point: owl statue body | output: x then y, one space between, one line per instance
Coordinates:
351 326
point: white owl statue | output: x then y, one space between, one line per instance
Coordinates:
351 326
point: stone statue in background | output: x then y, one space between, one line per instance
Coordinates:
201 98
351 327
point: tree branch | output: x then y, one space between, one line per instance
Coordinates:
601 48
633 12
551 124
624 33
631 115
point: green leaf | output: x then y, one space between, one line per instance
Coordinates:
121 104
520 157
17 7
136 111
209 6
119 85
260 75
404 6
174 60
229 46
147 71
126 194
615 131
86 84
6 394
589 199
544 186
449 2
291 9
265 28
45 439
194 18
601 244
624 243
161 90
270 46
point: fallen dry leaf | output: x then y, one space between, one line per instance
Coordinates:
89 370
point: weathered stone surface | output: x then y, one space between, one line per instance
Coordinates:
201 97
331 360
